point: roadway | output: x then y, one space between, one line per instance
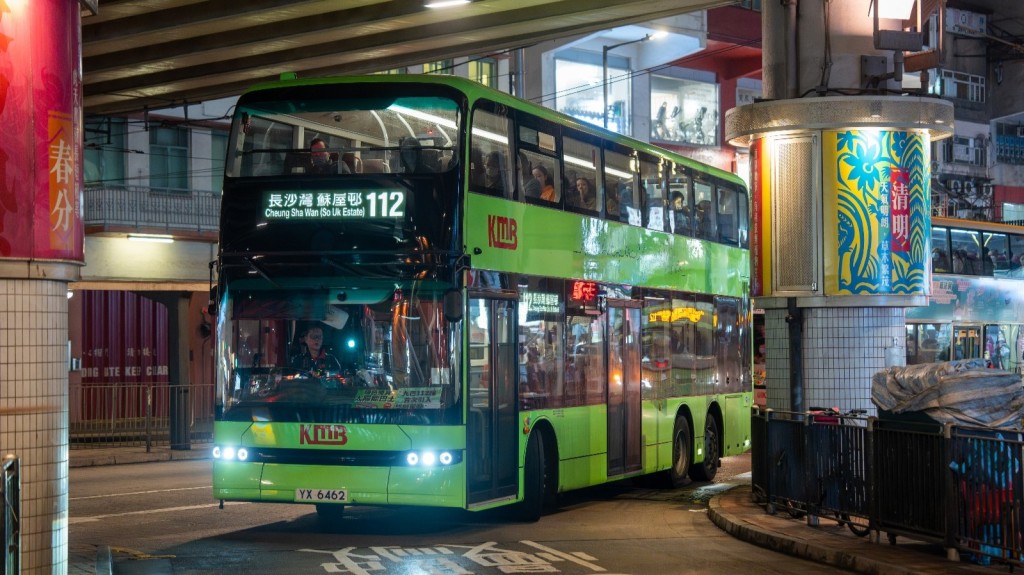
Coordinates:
160 518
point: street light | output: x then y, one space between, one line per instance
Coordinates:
604 67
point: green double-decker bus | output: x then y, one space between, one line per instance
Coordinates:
432 293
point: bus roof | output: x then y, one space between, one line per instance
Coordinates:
476 91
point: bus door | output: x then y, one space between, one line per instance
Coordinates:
966 342
625 440
492 433
727 340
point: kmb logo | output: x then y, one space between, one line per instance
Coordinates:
323 435
502 232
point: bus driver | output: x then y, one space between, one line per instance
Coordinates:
313 358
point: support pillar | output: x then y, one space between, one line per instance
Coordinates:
841 202
40 252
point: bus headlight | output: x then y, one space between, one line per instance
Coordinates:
230 453
428 458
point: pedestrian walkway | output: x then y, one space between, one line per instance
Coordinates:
829 543
734 511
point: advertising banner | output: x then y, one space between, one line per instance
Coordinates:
40 110
876 209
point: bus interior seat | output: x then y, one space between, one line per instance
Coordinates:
431 160
354 162
296 162
374 166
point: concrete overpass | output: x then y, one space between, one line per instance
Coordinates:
159 53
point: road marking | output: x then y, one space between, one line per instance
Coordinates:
95 518
139 493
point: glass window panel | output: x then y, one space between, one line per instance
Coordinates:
655 347
684 111
541 343
680 202
651 181
484 71
580 92
966 250
438 67
621 200
540 176
940 251
490 161
705 224
1016 255
683 347
727 216
997 252
582 193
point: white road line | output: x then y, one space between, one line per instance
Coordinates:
95 518
139 493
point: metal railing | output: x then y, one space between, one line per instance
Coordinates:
956 486
145 209
11 485
141 414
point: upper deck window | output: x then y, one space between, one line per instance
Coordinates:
340 135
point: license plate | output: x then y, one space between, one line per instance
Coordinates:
322 495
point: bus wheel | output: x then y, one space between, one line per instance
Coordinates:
329 516
678 473
532 505
707 470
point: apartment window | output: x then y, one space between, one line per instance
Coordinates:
484 71
104 151
393 71
168 158
438 67
959 85
218 149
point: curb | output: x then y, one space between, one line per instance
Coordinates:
790 546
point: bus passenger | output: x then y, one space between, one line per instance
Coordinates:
583 196
322 161
313 357
680 214
494 179
547 183
411 155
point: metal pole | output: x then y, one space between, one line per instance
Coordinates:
604 84
604 68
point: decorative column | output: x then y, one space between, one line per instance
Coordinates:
840 214
40 252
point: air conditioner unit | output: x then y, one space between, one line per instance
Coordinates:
1020 131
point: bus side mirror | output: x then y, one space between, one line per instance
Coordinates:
453 306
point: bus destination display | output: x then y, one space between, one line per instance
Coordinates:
331 205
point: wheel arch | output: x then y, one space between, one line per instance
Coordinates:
544 431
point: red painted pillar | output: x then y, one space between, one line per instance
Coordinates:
41 238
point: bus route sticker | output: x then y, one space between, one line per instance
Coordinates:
405 398
447 559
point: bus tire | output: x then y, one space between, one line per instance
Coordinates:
329 516
678 474
532 505
707 469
